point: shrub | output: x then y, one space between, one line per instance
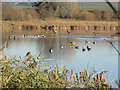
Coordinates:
85 15
62 12
10 13
15 13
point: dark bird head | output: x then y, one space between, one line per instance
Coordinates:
94 42
83 49
28 53
77 47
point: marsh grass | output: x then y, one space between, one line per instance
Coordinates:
28 72
31 72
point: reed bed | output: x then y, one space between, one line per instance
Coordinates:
31 72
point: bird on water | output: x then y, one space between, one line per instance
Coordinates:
61 46
28 53
88 48
83 49
50 50
68 32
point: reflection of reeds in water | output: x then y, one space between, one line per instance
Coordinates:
118 83
5 45
113 46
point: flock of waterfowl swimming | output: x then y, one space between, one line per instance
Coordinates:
25 35
72 43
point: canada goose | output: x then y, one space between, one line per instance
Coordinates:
43 35
86 42
68 32
50 50
94 42
9 37
55 31
83 49
61 46
28 53
88 48
77 47
15 38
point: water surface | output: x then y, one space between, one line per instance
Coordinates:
101 57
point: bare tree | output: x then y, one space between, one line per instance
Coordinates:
113 8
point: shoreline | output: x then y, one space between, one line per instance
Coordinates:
61 26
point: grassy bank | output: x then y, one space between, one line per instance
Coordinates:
30 72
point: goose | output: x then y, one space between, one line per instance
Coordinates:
68 32
88 48
9 37
83 49
50 50
94 42
55 31
77 47
86 42
28 53
61 46
15 38
43 35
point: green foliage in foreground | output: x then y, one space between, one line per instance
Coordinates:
28 72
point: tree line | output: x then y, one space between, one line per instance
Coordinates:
62 10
